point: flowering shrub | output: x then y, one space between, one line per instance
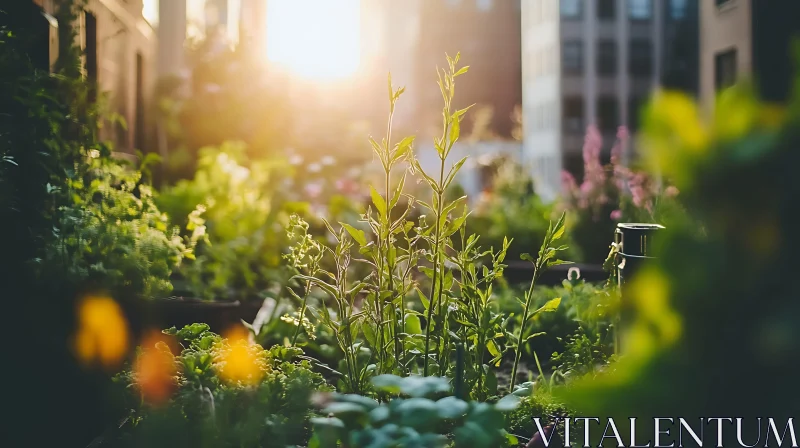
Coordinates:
613 193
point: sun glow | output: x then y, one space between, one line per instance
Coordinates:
316 39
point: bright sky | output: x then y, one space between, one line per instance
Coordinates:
315 39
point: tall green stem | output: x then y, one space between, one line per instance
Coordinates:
302 313
520 334
437 265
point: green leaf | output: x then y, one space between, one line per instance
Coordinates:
461 71
550 306
369 334
558 230
398 191
494 350
455 130
534 335
366 402
412 324
387 383
377 199
344 408
417 412
423 298
451 407
454 170
420 386
356 234
508 403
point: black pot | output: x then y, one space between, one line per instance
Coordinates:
636 243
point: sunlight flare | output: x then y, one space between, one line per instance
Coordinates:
314 39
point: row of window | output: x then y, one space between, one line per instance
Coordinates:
608 117
637 9
640 57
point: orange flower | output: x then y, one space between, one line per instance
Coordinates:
155 370
102 334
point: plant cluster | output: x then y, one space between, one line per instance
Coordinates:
191 387
425 415
456 327
112 236
243 212
512 209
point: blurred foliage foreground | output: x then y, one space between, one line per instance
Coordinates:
716 333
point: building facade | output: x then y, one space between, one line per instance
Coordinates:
119 48
747 39
595 62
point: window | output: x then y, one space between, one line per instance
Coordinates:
607 57
90 46
571 9
640 9
573 162
606 9
678 9
573 115
608 114
641 58
572 57
634 113
725 69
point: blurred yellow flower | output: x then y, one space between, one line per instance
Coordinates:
102 334
679 113
735 113
240 360
155 369
650 291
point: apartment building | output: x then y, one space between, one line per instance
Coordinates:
595 62
119 48
747 39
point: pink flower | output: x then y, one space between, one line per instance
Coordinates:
568 181
592 144
671 191
616 215
622 134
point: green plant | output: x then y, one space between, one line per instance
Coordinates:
482 327
112 236
223 392
545 259
244 214
376 328
512 209
584 354
535 402
427 416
